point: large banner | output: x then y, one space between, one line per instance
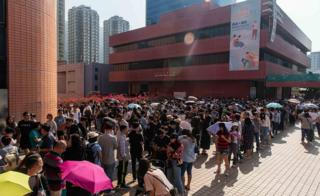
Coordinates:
245 36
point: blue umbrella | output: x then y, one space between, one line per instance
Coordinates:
274 105
134 106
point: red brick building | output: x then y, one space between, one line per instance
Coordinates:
188 51
30 57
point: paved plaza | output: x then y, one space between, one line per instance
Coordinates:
287 168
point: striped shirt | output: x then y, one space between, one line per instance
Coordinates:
222 143
52 171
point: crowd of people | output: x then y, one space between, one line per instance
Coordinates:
161 140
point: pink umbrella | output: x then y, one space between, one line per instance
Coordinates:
86 175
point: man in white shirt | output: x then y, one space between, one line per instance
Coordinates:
108 143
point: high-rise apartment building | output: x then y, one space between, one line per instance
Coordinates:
61 29
156 8
113 26
83 35
28 58
315 62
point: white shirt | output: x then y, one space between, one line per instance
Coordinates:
53 126
313 115
266 122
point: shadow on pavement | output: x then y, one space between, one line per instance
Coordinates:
218 184
200 160
311 148
265 152
211 162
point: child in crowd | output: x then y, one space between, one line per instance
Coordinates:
234 145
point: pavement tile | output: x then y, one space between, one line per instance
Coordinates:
287 168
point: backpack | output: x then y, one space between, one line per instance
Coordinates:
89 153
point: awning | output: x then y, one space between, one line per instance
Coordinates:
294 80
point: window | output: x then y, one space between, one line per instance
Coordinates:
95 77
2 11
175 62
204 33
96 69
95 88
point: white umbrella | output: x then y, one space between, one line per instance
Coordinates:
215 127
295 101
190 102
309 106
192 98
134 106
185 125
154 105
201 102
274 105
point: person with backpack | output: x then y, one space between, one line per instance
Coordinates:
155 181
93 149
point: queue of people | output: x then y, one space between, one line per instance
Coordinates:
172 133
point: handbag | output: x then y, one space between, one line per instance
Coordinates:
42 191
196 149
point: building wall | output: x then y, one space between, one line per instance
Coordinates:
71 80
199 88
97 79
32 57
159 53
61 29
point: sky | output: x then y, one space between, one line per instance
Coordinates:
305 13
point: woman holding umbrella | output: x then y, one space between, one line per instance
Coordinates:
75 152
